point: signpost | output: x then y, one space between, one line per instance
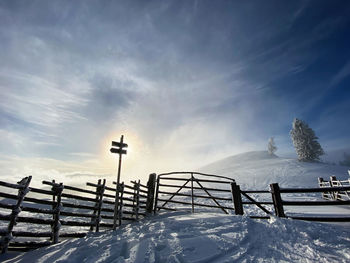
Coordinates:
117 147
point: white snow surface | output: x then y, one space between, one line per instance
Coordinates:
203 237
256 170
212 236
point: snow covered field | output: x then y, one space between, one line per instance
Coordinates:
216 237
207 237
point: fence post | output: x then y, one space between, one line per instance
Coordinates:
334 183
101 190
22 191
137 199
53 201
237 199
321 184
57 189
151 184
192 200
94 218
277 200
116 206
156 197
120 208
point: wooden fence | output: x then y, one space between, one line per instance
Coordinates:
333 182
236 199
62 207
279 204
66 211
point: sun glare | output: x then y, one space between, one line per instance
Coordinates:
133 150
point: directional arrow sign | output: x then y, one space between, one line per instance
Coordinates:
115 150
118 144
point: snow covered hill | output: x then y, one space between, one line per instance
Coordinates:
258 169
216 237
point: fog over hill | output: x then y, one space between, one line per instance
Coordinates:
258 169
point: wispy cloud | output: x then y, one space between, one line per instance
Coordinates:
188 82
343 73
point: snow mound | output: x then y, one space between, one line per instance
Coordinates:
182 237
256 170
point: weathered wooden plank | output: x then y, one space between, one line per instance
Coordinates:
74 214
37 210
41 191
9 185
197 173
119 151
76 234
87 207
5 217
6 206
75 223
258 204
78 197
314 190
27 199
256 191
99 203
200 180
196 196
237 199
254 203
31 234
151 185
33 220
277 200
196 204
71 188
15 212
119 144
196 188
30 244
315 203
321 219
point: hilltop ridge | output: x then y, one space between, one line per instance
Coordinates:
258 169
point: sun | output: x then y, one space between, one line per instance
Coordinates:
134 148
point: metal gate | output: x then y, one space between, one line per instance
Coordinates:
193 189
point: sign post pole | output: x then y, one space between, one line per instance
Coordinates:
119 150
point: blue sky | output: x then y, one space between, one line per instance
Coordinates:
186 82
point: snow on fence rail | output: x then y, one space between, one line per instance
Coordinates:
62 207
333 182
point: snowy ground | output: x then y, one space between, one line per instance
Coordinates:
204 237
216 237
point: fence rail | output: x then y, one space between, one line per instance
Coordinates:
193 181
342 194
70 206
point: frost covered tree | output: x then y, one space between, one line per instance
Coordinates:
271 147
305 142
